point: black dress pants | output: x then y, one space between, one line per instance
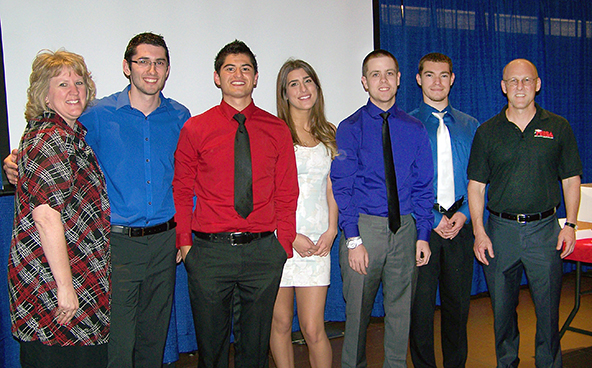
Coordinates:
34 354
143 284
215 270
450 268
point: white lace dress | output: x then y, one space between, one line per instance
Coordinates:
312 217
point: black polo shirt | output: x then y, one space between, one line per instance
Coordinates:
524 169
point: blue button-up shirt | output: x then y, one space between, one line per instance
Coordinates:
462 129
357 173
136 154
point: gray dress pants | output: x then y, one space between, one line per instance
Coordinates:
392 262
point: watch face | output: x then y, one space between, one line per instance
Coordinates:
571 224
353 243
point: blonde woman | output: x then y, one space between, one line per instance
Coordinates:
59 263
300 104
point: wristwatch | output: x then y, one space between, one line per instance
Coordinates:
353 242
571 224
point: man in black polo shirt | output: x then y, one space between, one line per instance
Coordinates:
522 153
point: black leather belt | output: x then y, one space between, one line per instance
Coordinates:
233 239
455 206
522 217
143 231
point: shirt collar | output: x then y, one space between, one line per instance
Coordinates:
78 128
229 111
375 111
540 114
425 111
123 100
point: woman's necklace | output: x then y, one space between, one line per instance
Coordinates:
309 142
306 138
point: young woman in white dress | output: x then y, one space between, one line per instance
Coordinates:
307 274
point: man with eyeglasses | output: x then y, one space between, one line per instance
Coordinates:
521 154
134 134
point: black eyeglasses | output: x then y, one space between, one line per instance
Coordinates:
147 64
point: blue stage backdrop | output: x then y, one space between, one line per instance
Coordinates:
481 37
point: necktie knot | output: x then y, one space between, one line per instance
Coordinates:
240 118
440 116
385 116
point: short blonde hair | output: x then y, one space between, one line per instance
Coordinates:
49 64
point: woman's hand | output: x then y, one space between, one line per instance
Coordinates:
325 242
67 304
11 168
183 252
51 233
304 246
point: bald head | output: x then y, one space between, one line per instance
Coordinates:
519 64
520 84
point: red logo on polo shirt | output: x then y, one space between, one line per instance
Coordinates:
538 133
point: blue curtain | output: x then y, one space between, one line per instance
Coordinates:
481 37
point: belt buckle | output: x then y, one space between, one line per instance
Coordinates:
233 237
131 230
521 218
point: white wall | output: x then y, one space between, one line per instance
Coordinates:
332 35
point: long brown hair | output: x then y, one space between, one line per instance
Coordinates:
320 128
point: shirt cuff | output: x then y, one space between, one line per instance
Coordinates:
423 234
184 239
287 245
464 209
351 231
437 218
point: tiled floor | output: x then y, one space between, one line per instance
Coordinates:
577 348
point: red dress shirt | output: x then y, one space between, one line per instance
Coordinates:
204 169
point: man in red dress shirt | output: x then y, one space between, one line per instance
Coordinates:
225 248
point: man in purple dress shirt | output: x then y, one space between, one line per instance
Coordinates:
370 252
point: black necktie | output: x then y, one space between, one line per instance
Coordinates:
243 175
394 215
